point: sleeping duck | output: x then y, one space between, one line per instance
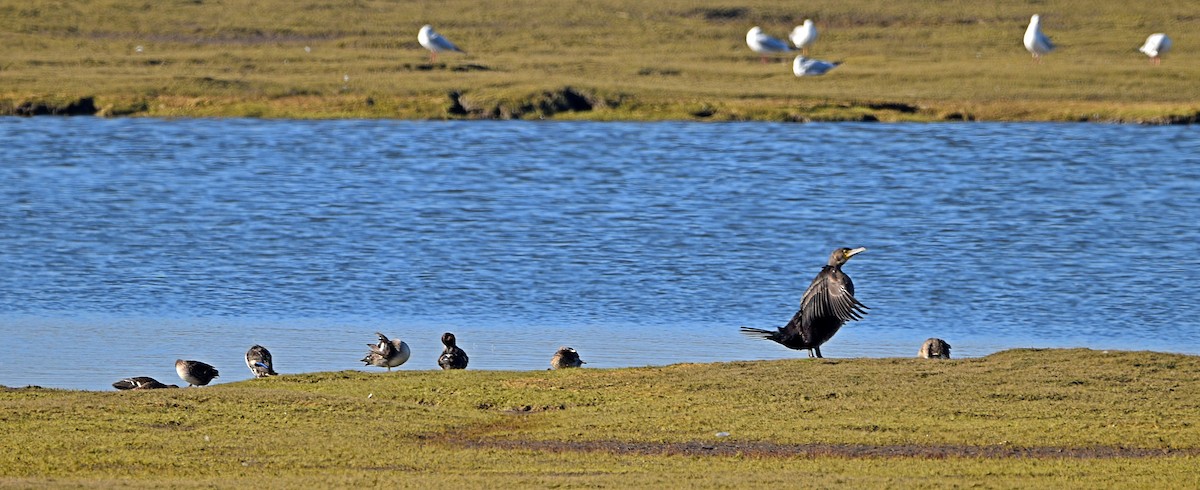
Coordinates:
258 359
196 373
140 383
566 357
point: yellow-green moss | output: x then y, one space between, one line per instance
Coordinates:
411 428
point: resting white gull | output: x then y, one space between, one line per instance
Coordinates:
1156 45
808 67
804 36
763 44
435 43
1036 42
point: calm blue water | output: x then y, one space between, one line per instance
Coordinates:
128 243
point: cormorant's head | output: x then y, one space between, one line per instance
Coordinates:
841 255
448 339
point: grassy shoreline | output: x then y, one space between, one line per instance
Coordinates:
533 107
596 60
1019 418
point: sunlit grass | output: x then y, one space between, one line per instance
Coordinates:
356 428
656 60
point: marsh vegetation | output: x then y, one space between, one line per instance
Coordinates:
906 60
1017 418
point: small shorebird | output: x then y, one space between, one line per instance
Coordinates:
1036 42
566 357
804 36
452 357
763 44
1156 45
934 348
435 43
827 304
387 353
140 383
258 359
196 373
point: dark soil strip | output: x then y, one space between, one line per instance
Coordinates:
770 450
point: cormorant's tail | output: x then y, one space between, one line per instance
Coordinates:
760 333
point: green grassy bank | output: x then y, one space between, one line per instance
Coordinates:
598 60
1024 418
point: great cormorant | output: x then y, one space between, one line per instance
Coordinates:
827 304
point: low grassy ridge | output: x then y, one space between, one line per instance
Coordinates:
1021 418
599 60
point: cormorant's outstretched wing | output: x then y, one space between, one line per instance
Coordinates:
830 296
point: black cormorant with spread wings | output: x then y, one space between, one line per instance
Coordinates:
827 304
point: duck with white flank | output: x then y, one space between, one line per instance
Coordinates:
387 353
827 304
258 359
452 357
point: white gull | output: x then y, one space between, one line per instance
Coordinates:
1156 45
804 36
808 67
763 44
1036 42
435 43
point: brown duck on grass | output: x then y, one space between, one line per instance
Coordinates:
196 373
566 357
141 383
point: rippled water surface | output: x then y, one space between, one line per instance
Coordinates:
129 243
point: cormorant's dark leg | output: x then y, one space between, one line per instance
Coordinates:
818 349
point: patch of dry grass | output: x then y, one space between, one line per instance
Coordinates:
568 428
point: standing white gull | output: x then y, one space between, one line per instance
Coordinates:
1036 42
808 67
763 44
435 43
804 36
1156 45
